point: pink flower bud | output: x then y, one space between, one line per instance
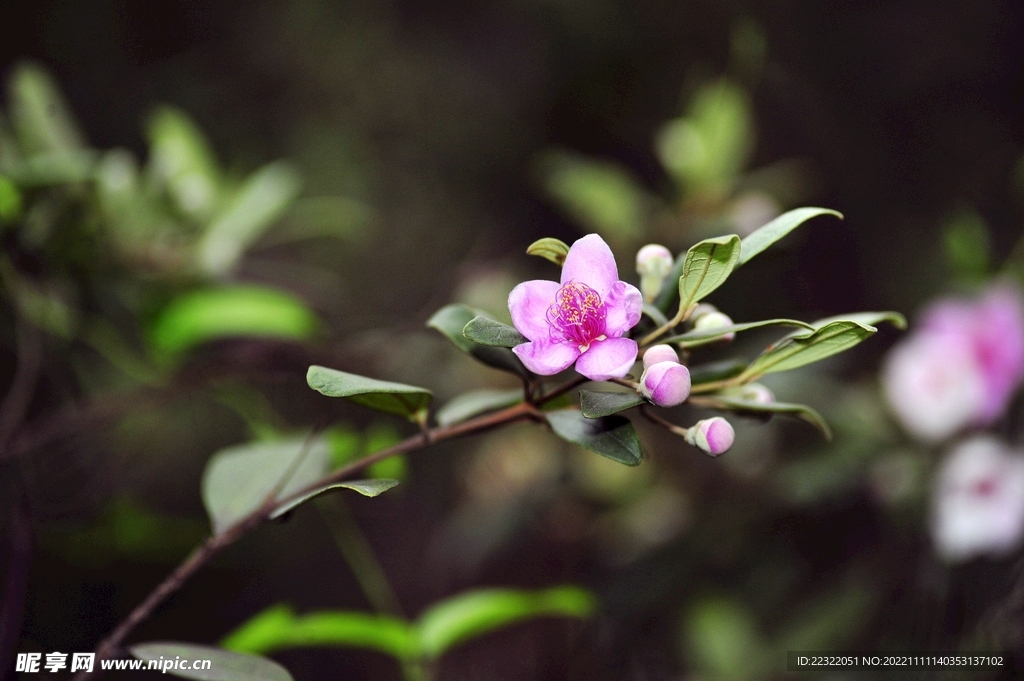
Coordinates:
714 320
653 264
666 384
660 353
714 435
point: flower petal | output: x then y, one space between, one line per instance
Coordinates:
610 358
528 303
622 305
546 357
591 262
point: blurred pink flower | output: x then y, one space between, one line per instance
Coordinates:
582 319
978 506
960 366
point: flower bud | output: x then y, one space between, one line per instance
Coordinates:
660 353
666 384
714 435
653 264
755 392
714 320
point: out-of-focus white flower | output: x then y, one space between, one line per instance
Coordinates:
978 507
934 385
961 365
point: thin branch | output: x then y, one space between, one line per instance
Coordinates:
218 542
654 418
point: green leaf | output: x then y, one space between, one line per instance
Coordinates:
716 371
493 333
237 480
599 195
393 398
797 350
225 665
10 200
724 642
474 402
706 267
42 305
595 403
212 313
707 149
669 295
738 404
257 205
183 159
610 436
277 628
40 115
473 614
828 621
967 244
450 320
66 166
704 335
549 248
762 238
655 314
865 318
368 488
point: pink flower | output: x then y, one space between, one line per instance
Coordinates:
978 507
582 319
666 384
960 367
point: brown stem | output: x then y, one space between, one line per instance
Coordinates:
654 418
215 544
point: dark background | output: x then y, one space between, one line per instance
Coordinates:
433 114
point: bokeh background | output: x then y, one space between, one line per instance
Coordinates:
434 142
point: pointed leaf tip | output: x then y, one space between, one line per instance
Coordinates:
395 398
493 333
763 237
549 248
610 436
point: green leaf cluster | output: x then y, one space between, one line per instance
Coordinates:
438 629
244 478
453 320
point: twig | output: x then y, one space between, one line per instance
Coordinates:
215 544
654 418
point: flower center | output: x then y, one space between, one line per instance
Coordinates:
577 315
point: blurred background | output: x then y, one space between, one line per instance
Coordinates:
340 170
